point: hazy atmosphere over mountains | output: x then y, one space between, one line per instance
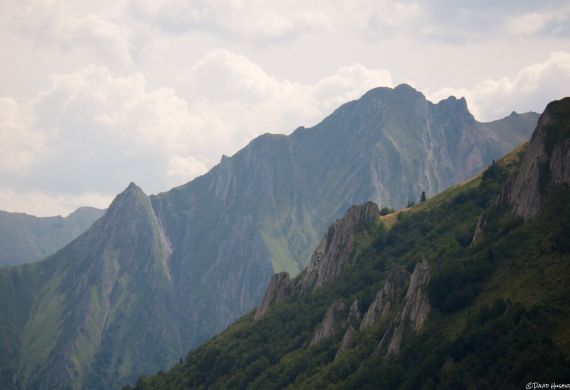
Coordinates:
25 238
157 275
163 88
263 194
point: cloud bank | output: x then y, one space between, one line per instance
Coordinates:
94 95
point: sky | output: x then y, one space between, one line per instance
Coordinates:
95 94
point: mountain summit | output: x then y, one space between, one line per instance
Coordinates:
158 275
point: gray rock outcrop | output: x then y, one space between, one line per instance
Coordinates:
354 316
279 287
478 234
347 341
332 324
415 311
386 298
334 251
545 164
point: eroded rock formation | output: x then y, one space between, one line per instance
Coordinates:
415 311
279 287
334 251
545 164
386 298
332 323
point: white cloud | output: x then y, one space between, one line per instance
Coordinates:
136 98
180 168
231 88
256 20
530 90
103 129
21 146
93 130
532 23
113 127
56 24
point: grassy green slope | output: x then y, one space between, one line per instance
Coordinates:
499 307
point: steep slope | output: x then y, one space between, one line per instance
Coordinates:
275 198
83 316
546 165
439 309
25 238
158 275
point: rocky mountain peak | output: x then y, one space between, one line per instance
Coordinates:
334 250
131 195
454 107
401 92
545 165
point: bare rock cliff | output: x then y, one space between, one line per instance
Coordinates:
354 316
332 324
279 287
334 250
386 298
347 341
546 163
415 311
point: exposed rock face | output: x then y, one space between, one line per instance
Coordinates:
545 164
478 230
347 341
386 298
332 323
415 311
417 306
354 317
279 287
334 250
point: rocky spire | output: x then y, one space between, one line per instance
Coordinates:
347 341
354 316
386 298
279 287
415 311
478 230
332 323
334 251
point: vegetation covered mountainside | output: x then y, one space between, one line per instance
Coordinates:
158 275
25 238
465 290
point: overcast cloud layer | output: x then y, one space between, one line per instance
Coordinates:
94 95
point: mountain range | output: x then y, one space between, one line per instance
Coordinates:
466 290
25 238
158 275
